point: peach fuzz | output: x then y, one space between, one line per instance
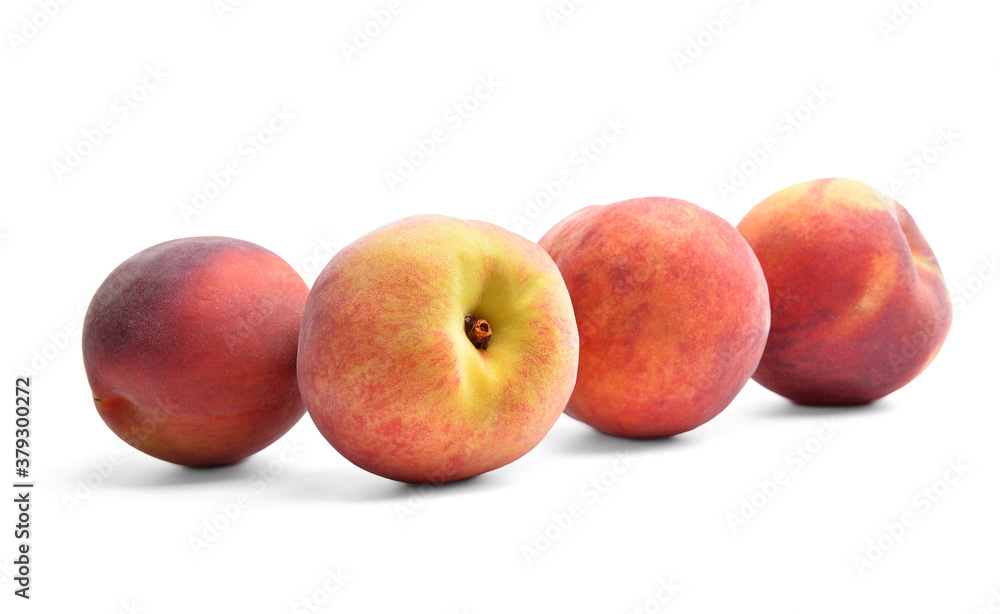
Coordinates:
859 305
190 346
672 310
435 349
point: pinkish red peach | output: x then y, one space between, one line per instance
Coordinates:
190 346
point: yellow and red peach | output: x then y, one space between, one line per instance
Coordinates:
672 310
190 346
435 349
859 305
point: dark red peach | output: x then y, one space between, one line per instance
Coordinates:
190 348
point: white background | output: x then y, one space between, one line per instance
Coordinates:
124 545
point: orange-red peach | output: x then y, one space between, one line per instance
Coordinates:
859 306
190 348
672 310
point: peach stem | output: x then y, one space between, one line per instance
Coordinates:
478 331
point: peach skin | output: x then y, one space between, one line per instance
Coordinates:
859 305
672 310
436 349
189 347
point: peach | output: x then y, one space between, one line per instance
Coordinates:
859 305
190 346
435 349
672 310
